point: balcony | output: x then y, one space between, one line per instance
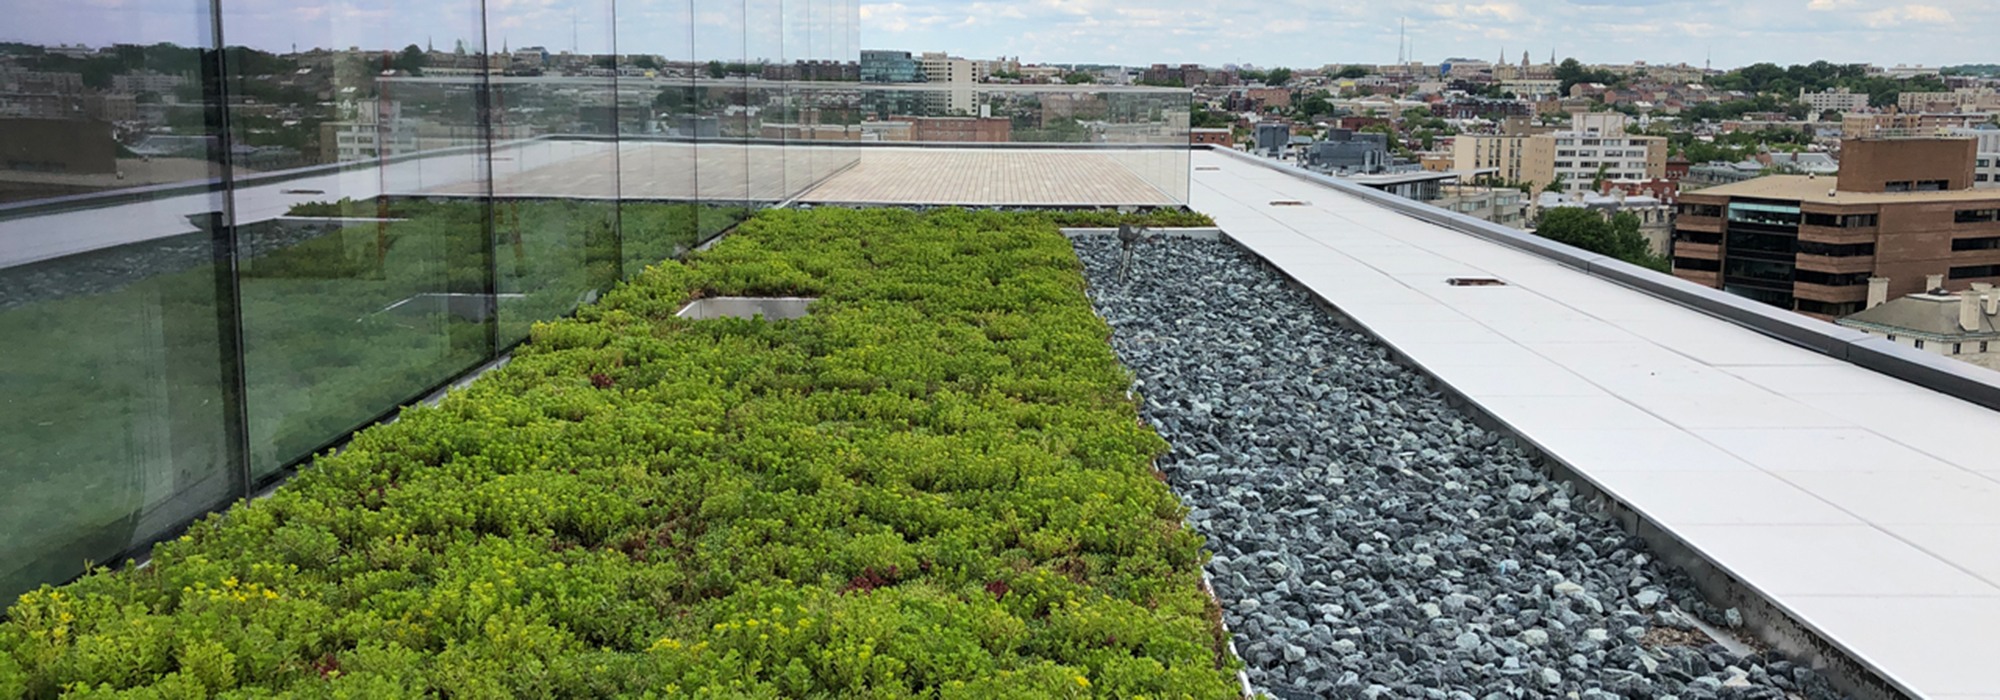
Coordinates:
1690 249
1706 278
1831 294
1837 236
1837 264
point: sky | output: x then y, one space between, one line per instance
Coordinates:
1134 32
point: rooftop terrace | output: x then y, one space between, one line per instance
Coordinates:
1826 486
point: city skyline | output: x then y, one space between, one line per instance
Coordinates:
1074 31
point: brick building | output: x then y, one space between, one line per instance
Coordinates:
1900 210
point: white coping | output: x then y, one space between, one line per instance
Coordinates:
1865 506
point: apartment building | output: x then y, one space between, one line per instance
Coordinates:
1901 209
1836 99
1594 142
961 75
1986 170
1960 100
1502 151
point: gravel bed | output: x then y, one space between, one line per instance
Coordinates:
1370 541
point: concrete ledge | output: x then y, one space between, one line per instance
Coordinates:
1967 382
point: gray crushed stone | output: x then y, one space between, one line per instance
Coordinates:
1371 542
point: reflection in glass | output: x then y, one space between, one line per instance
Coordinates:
118 391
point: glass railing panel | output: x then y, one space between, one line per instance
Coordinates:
118 390
555 195
661 214
366 282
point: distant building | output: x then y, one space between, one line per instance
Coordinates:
959 129
367 130
962 77
889 67
1272 138
1901 209
146 81
1347 152
1960 100
1594 142
1835 99
1964 326
1501 205
1220 137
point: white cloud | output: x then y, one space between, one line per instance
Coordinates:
1914 14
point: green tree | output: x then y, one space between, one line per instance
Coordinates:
410 61
647 62
1076 78
1314 104
1556 185
1278 76
1203 119
1417 114
1351 72
1587 229
1597 178
715 70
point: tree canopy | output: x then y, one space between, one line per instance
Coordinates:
1570 72
1818 76
1587 229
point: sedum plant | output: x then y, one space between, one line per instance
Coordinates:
933 486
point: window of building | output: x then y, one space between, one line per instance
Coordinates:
1832 279
1968 271
1836 250
1982 347
1767 214
1898 186
1979 178
1983 243
1985 162
1956 347
1828 308
1562 164
1931 185
1565 154
1920 343
1565 142
1861 220
1701 210
1892 337
1818 219
1697 264
1973 216
1591 142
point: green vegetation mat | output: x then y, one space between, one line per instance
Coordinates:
935 485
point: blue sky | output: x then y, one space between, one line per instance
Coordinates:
1268 32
